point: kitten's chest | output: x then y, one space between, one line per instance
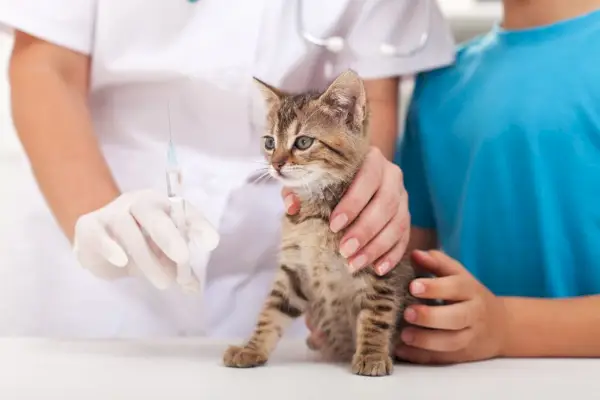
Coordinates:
329 272
318 254
312 235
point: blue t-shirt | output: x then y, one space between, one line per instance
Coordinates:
501 156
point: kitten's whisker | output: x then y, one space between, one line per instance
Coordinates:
260 174
331 191
266 178
261 177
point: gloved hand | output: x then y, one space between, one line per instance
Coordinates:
136 235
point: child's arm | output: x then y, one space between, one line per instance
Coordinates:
552 327
474 324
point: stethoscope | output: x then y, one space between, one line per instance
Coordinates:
335 44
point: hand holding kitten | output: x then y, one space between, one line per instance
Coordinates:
470 327
375 208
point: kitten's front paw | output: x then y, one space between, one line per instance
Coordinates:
372 365
243 357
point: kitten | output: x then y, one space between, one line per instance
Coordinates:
315 143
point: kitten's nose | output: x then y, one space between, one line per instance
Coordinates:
279 163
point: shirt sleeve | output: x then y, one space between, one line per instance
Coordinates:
410 159
66 23
401 24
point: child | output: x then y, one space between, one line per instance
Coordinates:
501 158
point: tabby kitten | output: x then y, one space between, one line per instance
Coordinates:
315 143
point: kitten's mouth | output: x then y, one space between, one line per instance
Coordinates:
294 177
286 178
279 174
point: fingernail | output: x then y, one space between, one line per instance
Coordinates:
288 201
383 268
417 288
338 222
358 262
407 336
410 315
349 248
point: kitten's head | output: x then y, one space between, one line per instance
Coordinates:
316 139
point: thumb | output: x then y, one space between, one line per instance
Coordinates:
437 262
200 231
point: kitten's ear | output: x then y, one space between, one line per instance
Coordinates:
346 96
271 94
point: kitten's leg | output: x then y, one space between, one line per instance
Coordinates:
285 303
376 324
338 333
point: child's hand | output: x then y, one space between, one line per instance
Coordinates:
470 327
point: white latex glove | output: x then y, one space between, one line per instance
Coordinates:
136 235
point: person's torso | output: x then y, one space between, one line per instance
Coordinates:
197 60
186 69
511 146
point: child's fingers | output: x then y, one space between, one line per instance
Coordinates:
316 338
416 355
448 288
437 263
437 340
451 317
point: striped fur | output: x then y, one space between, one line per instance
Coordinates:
360 313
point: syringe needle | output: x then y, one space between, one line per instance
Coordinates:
169 118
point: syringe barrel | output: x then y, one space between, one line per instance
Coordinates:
174 184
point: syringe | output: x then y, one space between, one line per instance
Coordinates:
185 276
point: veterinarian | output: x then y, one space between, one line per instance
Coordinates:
92 83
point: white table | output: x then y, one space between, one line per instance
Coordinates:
191 369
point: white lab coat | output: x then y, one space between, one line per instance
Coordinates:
200 56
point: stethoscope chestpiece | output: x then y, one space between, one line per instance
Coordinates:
387 49
335 44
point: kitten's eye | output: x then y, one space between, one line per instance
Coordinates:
269 143
303 142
